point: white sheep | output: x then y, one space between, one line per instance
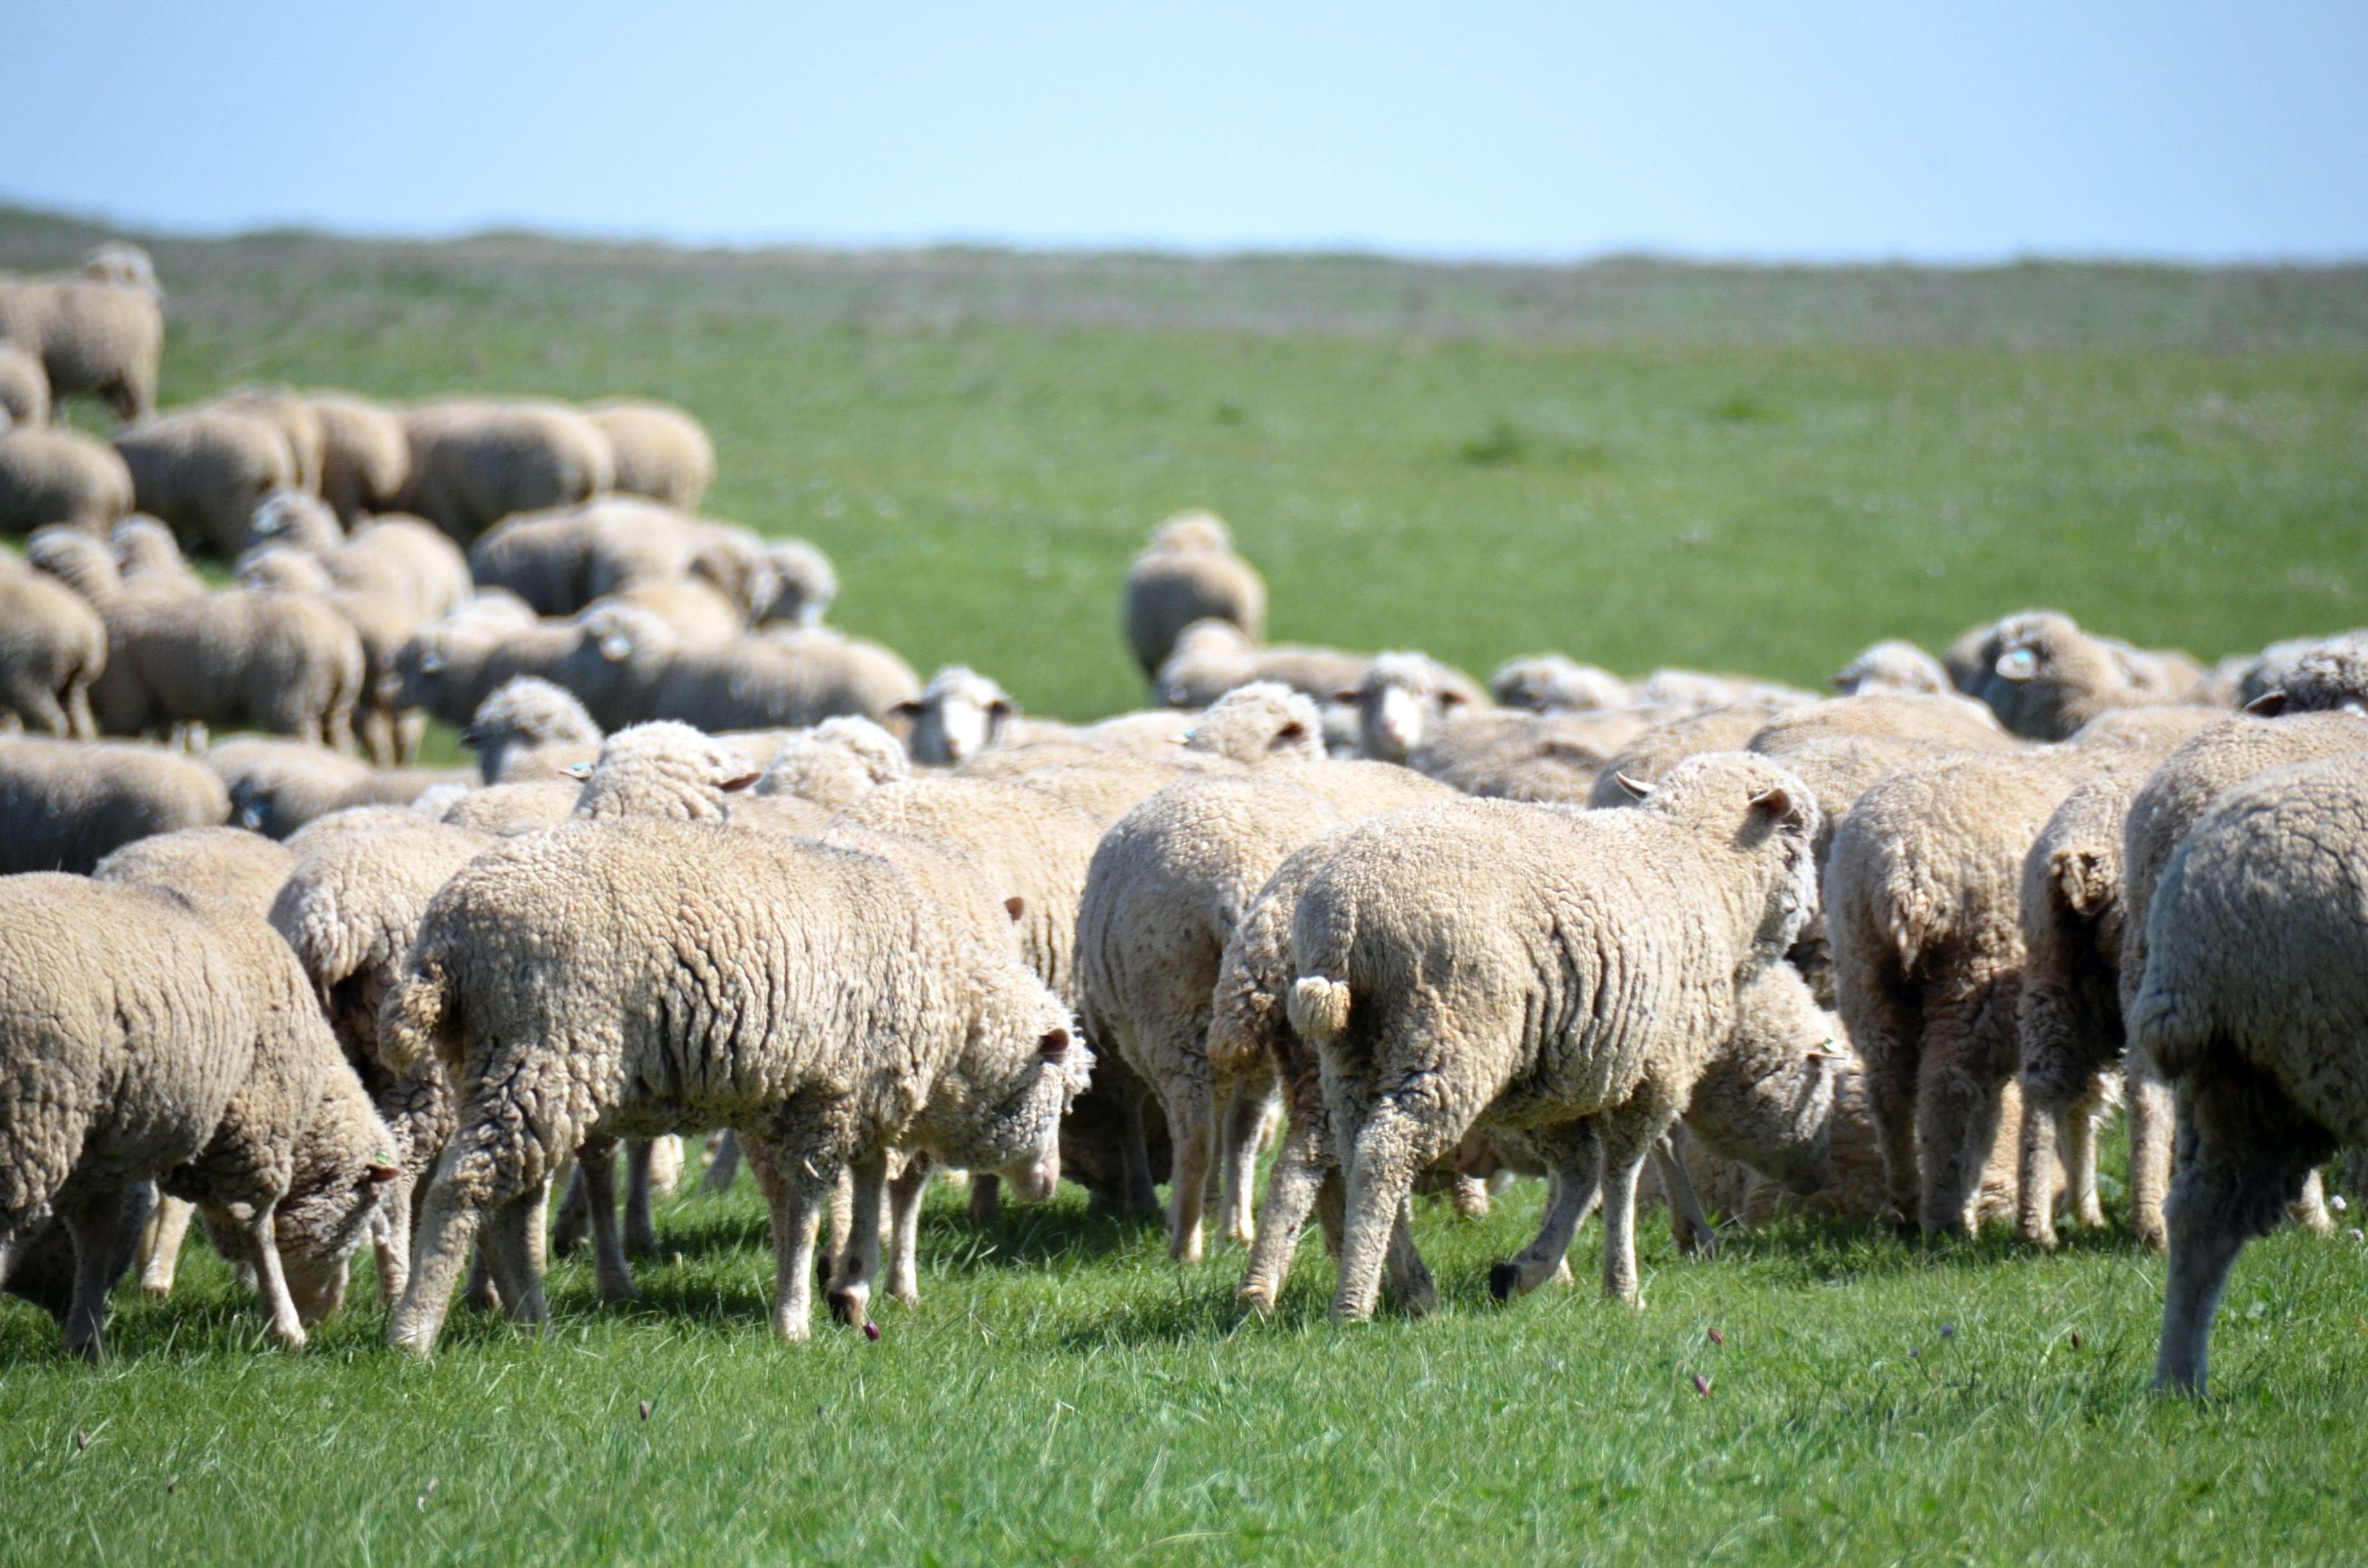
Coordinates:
1188 572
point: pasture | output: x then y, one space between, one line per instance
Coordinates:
1633 462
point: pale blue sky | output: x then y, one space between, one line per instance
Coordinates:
1806 130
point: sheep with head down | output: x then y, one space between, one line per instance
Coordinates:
1188 572
1553 683
528 729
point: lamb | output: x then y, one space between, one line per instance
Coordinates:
383 624
199 1059
1892 667
1517 755
1188 572
475 463
52 646
60 478
2173 799
1706 882
1165 889
660 450
91 336
2045 677
2249 1004
364 458
1550 683
23 388
66 805
218 865
1213 657
530 728
548 978
204 470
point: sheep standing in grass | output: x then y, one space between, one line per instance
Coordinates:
475 463
2252 1004
52 646
1213 657
92 335
1189 572
204 471
549 977
1564 974
383 624
60 478
660 450
66 805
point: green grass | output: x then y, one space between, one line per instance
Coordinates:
1638 462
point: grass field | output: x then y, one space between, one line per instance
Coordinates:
1637 463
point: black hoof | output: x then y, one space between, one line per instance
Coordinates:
845 1307
1504 1278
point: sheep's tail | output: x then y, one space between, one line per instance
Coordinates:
412 1021
1318 1009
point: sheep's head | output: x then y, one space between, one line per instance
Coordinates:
958 715
1192 530
662 769
123 266
2045 677
145 547
346 1167
1264 722
1401 703
1761 812
1026 1066
1547 682
291 517
526 710
2329 677
803 584
1889 667
836 762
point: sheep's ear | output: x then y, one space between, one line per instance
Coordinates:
1292 732
1776 800
734 786
2269 705
1015 906
1054 1045
1635 787
578 770
382 1173
1001 707
908 708
1346 694
1451 698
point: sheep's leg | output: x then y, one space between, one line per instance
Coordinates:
1886 1023
640 1234
391 1248
850 1295
1237 1156
1469 1196
2081 1119
724 1169
1689 1226
1628 1138
468 1180
80 722
1574 1156
842 1222
511 1244
481 1294
1191 1128
2308 1211
1956 1118
1300 1169
377 727
2151 1118
1139 1193
595 1167
1409 1277
94 1226
161 1245
794 1191
985 1197
1386 1151
2043 1127
47 714
270 1283
904 1232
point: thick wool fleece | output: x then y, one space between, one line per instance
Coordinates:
227 865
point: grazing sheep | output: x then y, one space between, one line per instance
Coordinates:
204 470
447 669
1436 998
1188 572
52 646
778 679
1552 683
804 585
24 388
383 623
90 336
399 556
1518 755
218 865
1892 667
1213 657
660 450
66 805
475 463
297 422
60 478
2044 678
560 559
547 977
2250 1006
530 728
278 787
143 1035
364 458
2173 799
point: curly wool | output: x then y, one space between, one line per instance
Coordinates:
222 865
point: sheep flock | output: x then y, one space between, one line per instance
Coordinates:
723 872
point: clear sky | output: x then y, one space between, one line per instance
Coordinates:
1803 129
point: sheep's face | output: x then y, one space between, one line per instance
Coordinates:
2046 676
961 715
1400 705
1017 1131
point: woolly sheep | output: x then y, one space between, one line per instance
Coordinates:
297 422
220 864
1549 683
201 1059
528 728
1892 667
1695 691
148 559
958 715
52 646
834 764
65 805
394 555
90 336
279 786
1164 889
804 585
204 470
1400 701
560 559
1518 755
475 463
944 1047
2250 1007
1213 657
503 810
60 477
1708 879
383 624
2045 677
1662 745
1188 572
364 458
778 679
660 450
23 388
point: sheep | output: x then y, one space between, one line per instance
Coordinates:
399 556
1188 572
547 977
660 450
446 669
276 787
1518 755
1892 667
562 559
1552 683
958 715
1164 889
1661 746
475 463
1213 657
143 1034
505 810
1401 700
66 805
297 422
1416 975
804 585
383 623
121 263
364 458
2173 799
222 865
23 388
2045 677
836 763
777 680
60 478
52 646
2245 679
2250 1005
91 336
204 470
1695 691
528 728
148 558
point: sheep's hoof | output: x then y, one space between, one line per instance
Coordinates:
619 1287
1504 1280
1257 1298
288 1338
848 1304
907 1297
